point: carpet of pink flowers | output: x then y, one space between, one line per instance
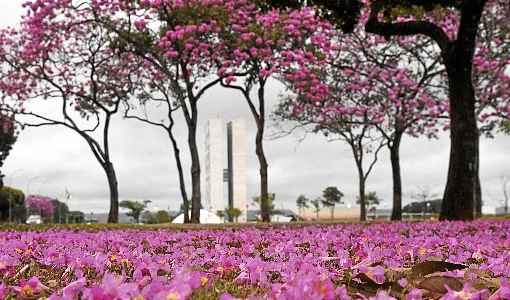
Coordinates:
449 260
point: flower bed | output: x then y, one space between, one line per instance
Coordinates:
452 260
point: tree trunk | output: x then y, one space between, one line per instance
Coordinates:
263 165
362 199
182 183
195 174
460 193
396 214
332 213
113 215
478 189
461 187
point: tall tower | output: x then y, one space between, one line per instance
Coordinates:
215 163
237 156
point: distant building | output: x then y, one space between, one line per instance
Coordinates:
102 218
214 165
234 172
277 215
432 206
340 213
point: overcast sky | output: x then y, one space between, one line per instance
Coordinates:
49 160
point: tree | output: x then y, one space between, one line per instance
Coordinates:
233 214
316 203
163 217
153 96
271 199
76 217
135 208
330 197
12 205
372 200
302 203
148 217
399 95
263 46
40 205
68 63
423 194
357 132
182 42
221 214
8 136
159 217
60 212
456 45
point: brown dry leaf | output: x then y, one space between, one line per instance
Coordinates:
436 284
393 275
430 267
482 279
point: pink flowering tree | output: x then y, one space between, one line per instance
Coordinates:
270 45
456 41
181 40
491 74
454 27
41 205
398 98
372 101
57 58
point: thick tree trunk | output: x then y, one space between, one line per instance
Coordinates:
263 165
460 193
182 183
396 214
195 175
113 215
462 185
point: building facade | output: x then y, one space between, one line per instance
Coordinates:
237 167
215 162
226 162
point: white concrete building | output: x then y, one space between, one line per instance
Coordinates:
214 166
237 166
226 164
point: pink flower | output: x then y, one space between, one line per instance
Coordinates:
140 24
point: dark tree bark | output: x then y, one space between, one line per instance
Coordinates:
113 214
478 195
260 119
362 196
180 171
461 188
195 173
263 166
190 111
396 213
463 182
358 146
